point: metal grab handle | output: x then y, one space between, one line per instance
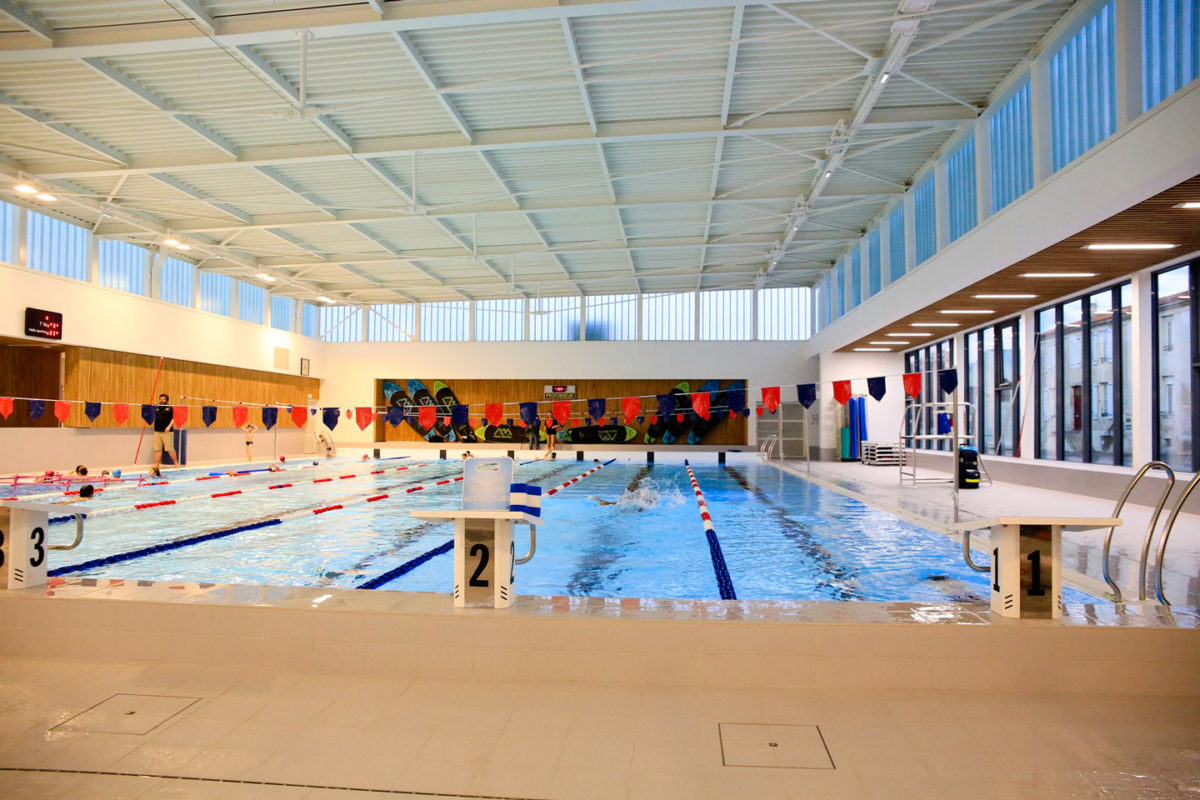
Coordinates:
1166 534
79 515
532 546
1162 501
966 540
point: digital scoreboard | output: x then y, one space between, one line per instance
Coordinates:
43 324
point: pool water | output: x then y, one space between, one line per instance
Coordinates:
628 530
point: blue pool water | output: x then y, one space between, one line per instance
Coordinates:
629 530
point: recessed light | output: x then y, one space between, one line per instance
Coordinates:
171 242
884 78
935 324
182 246
906 334
25 188
1131 246
967 311
1190 205
1058 274
262 276
892 342
828 173
1005 296
872 350
324 299
45 197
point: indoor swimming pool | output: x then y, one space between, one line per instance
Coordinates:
630 529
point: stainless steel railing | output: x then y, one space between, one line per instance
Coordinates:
1162 501
1166 535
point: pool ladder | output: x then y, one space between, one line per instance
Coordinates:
1163 538
768 446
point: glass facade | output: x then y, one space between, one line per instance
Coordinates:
1176 365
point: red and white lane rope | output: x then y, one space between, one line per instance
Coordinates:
579 477
724 582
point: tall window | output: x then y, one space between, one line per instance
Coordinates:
924 422
1176 366
176 283
54 246
839 290
215 291
783 313
874 262
993 360
925 218
1170 55
122 266
8 216
1048 339
896 243
554 319
726 315
960 185
446 322
612 317
283 309
854 266
668 316
309 323
1083 90
391 322
500 320
341 324
1011 132
251 301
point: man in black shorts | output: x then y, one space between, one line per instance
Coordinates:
164 424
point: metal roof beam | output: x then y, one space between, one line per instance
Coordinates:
196 194
418 61
27 19
735 36
74 134
198 14
275 78
569 35
982 24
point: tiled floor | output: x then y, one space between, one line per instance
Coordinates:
257 734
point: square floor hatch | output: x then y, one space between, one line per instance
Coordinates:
784 746
137 714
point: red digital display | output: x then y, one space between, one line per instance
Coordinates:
43 324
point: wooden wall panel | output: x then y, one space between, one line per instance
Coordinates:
29 371
476 393
110 376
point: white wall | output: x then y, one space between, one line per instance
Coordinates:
883 417
95 316
351 369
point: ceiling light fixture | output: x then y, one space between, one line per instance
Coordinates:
884 78
967 311
1133 246
262 276
871 350
1058 274
171 242
936 324
1190 205
906 334
828 173
182 246
891 343
1005 296
25 188
45 197
324 299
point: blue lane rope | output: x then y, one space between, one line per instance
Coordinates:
406 567
724 582
158 548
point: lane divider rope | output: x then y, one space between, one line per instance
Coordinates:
577 478
724 582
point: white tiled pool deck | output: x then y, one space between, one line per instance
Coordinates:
297 693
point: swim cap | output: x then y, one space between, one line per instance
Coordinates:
283 458
116 473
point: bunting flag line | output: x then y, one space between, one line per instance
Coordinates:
36 407
700 403
120 412
596 408
460 415
562 411
806 394
148 413
300 416
493 413
770 398
91 411
736 400
363 417
666 405
427 416
948 380
395 415
912 384
631 407
179 416
841 392
877 387
6 406
240 415
208 415
529 413
270 416
62 410
330 417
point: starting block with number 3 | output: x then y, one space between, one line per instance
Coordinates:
24 529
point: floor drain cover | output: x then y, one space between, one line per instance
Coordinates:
784 746
127 713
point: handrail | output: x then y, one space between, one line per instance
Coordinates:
966 541
1166 534
79 515
1162 501
532 547
767 446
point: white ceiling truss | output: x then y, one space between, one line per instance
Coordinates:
387 151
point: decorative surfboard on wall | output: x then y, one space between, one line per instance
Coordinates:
446 400
421 396
718 411
672 426
505 434
676 433
396 396
598 434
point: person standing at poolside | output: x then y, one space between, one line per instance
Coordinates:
249 428
551 435
164 425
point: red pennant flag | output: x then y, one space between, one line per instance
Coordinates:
61 410
770 398
841 391
679 417
6 406
759 410
349 413
912 384
180 417
700 404
120 412
363 416
562 411
240 415
631 406
494 412
300 416
427 416
445 420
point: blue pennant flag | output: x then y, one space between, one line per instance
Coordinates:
148 413
270 415
806 394
666 405
876 387
736 400
459 415
596 408
395 415
209 415
330 417
36 407
948 380
528 413
92 410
